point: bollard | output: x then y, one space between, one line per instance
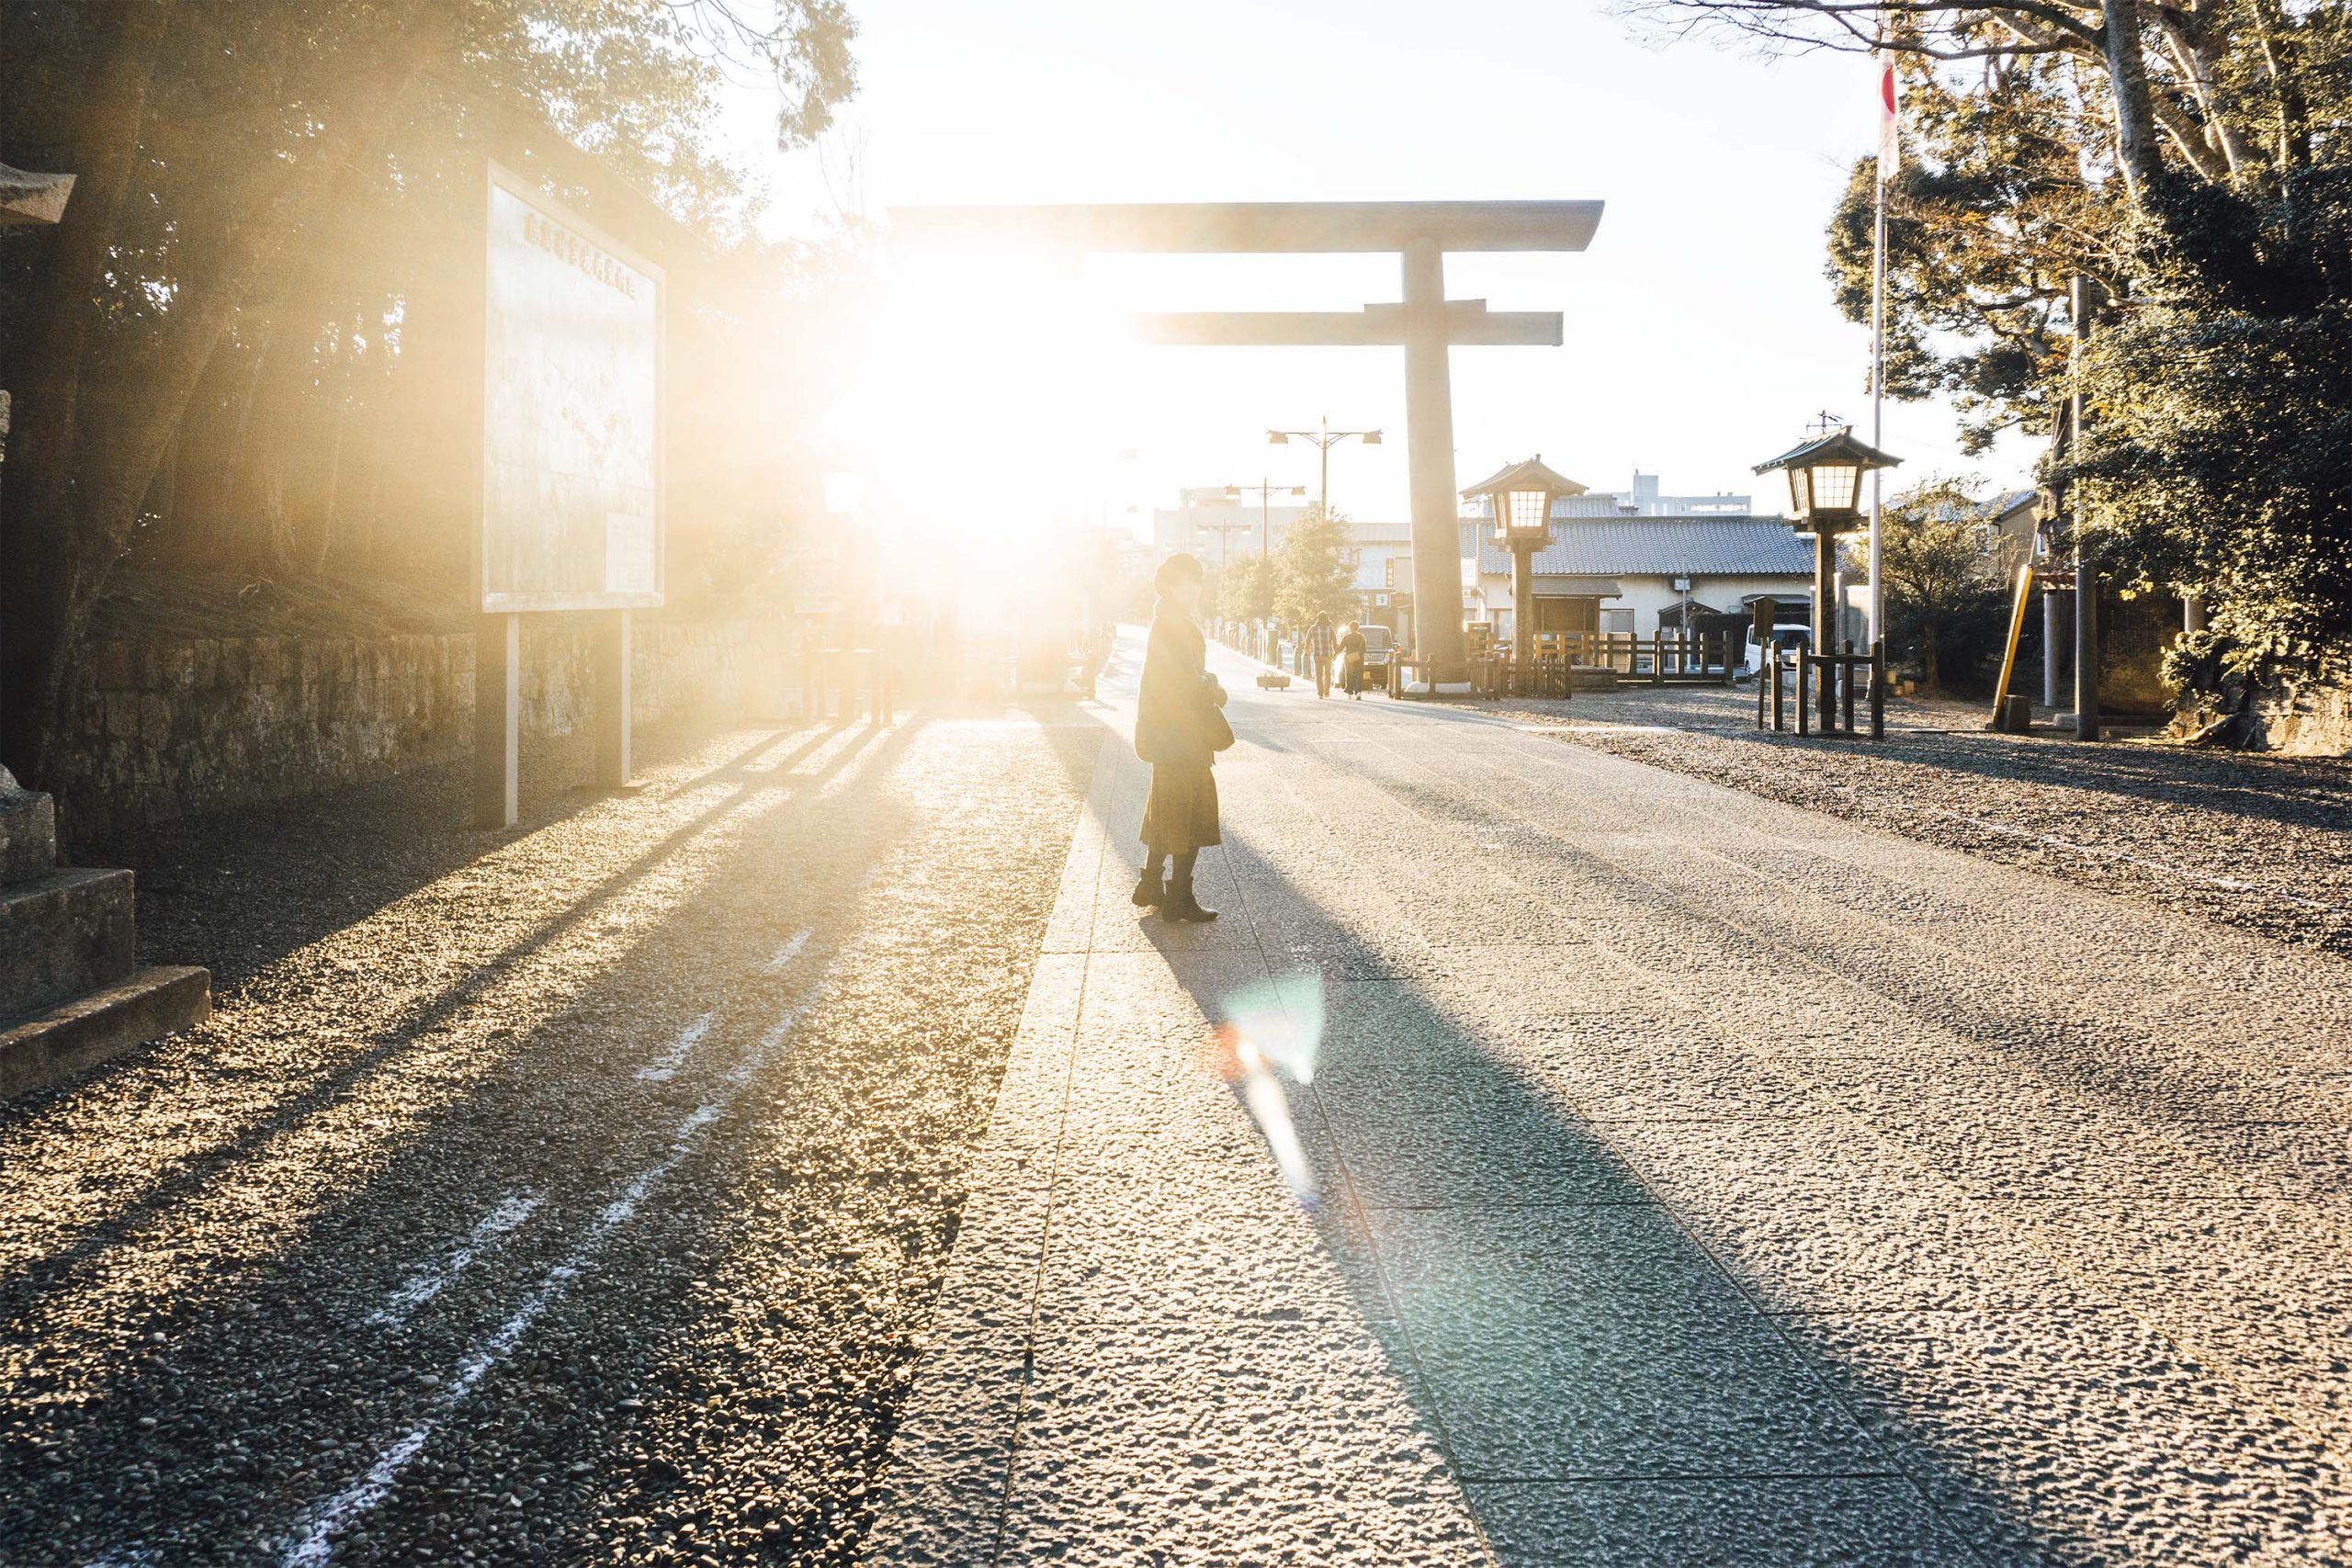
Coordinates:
1804 691
1878 689
1825 680
1846 681
1771 671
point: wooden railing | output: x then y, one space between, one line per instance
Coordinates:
1826 681
1684 654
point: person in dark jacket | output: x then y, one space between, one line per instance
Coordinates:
1351 661
1179 732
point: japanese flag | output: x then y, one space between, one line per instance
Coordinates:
1890 119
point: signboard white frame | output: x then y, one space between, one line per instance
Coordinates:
564 295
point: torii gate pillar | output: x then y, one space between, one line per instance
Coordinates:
1428 455
1426 324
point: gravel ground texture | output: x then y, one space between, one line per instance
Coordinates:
576 1194
2254 842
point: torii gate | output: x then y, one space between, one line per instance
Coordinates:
1426 324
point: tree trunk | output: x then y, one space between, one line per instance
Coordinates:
92 459
325 541
206 445
263 537
2282 56
2200 63
41 572
2127 79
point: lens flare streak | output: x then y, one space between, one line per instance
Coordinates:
1271 1033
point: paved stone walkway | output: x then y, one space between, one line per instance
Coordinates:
1699 1180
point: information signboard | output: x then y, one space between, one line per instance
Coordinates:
573 405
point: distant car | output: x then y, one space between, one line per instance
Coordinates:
1784 638
1379 646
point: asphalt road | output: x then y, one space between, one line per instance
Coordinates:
1693 1179
572 1195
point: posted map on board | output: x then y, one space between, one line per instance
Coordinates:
571 514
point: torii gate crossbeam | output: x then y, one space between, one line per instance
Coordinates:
1426 324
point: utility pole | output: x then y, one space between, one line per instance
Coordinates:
2087 724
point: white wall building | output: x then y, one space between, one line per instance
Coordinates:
1637 560
1218 527
1642 500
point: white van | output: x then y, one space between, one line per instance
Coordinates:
1784 638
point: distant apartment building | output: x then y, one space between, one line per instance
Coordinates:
1218 527
1642 500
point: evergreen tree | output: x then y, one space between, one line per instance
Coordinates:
1315 571
2188 158
1942 584
272 202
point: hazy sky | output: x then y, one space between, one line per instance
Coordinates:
1701 337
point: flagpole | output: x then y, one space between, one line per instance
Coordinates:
1878 351
1878 398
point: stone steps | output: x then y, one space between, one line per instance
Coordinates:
72 992
65 934
146 1004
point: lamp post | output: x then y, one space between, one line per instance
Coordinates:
1518 499
1325 438
1825 491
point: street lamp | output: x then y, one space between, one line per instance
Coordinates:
1825 491
1325 438
1520 499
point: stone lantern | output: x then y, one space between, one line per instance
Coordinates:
1520 501
1825 495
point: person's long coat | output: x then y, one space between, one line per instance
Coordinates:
1351 663
1173 734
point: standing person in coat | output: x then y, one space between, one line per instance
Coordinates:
1351 661
1319 653
1179 731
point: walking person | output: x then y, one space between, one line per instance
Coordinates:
1319 645
1179 728
1351 661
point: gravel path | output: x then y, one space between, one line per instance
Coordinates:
2259 842
576 1194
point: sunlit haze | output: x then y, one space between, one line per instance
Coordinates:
1700 335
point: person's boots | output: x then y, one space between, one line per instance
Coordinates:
1150 891
1181 906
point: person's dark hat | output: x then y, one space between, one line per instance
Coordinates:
1178 568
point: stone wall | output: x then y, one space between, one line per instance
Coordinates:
163 730
2296 718
2306 719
